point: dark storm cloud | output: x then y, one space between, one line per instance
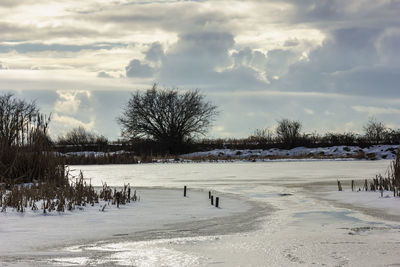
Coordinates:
249 57
187 16
45 99
358 56
103 74
348 62
195 56
388 47
136 68
155 52
13 3
227 51
332 13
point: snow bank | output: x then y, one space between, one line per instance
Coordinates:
93 153
388 204
334 152
32 230
373 152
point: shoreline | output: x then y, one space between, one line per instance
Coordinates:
373 152
369 203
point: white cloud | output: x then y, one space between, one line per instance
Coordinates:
350 126
69 101
387 45
60 124
220 131
323 55
308 111
372 110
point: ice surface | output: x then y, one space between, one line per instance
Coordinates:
157 208
302 229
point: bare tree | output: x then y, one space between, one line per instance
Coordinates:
374 131
25 147
288 132
262 136
166 116
80 136
20 121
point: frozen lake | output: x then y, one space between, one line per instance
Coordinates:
294 227
235 177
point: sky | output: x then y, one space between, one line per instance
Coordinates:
332 65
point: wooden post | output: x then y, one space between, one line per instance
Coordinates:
217 202
118 197
366 185
212 200
352 185
339 185
209 194
184 191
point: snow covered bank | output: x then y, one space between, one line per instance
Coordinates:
371 201
298 153
158 208
373 152
94 154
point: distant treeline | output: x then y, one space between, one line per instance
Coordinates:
141 150
163 122
286 136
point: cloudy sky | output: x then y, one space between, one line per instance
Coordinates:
330 64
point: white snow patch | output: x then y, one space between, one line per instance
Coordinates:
33 230
388 203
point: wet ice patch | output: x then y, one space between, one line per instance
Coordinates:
150 256
70 261
141 253
327 216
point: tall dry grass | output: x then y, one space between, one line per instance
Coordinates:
389 183
32 175
48 197
25 147
394 174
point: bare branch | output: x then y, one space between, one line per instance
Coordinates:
166 115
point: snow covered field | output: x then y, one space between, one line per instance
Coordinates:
294 217
32 231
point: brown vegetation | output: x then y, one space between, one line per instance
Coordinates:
381 183
68 196
25 148
105 158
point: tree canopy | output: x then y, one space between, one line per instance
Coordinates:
166 115
288 132
79 136
374 131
